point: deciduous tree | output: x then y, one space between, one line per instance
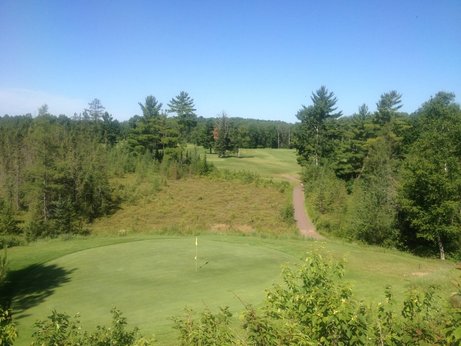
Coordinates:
431 192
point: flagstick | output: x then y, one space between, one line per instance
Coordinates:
196 254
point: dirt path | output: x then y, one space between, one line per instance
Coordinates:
305 225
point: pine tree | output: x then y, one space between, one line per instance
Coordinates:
95 110
183 106
223 136
387 106
314 135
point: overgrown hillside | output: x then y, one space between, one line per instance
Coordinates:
205 204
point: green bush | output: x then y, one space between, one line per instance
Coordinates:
326 197
288 213
206 330
60 329
8 332
313 306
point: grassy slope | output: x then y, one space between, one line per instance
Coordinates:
266 162
199 204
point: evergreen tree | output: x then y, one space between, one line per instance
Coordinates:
314 135
95 110
351 148
146 133
372 207
43 110
387 106
153 132
110 129
204 136
183 106
13 152
8 223
151 108
223 136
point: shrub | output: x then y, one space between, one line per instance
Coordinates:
60 329
207 329
313 306
8 331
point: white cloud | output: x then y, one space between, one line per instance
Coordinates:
23 101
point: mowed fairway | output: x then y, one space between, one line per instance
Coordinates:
265 162
152 280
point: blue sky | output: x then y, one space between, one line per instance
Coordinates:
257 59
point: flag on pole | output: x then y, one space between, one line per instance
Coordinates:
196 254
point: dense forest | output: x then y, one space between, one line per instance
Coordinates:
56 171
387 177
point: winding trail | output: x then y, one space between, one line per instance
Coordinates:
305 225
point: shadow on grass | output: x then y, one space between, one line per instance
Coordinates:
28 287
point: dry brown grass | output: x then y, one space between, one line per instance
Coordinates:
202 204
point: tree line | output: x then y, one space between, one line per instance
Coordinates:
386 177
55 171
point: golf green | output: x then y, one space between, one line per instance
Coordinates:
152 280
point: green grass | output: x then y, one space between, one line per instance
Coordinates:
265 162
151 278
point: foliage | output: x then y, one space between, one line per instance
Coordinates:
58 178
206 330
61 329
326 197
8 223
314 140
183 106
151 130
430 195
8 332
352 148
453 328
402 174
317 305
248 133
288 213
312 306
224 136
388 104
203 134
3 266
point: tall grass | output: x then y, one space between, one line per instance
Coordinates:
224 202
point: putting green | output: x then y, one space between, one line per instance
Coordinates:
152 280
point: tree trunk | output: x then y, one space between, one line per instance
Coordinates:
441 249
